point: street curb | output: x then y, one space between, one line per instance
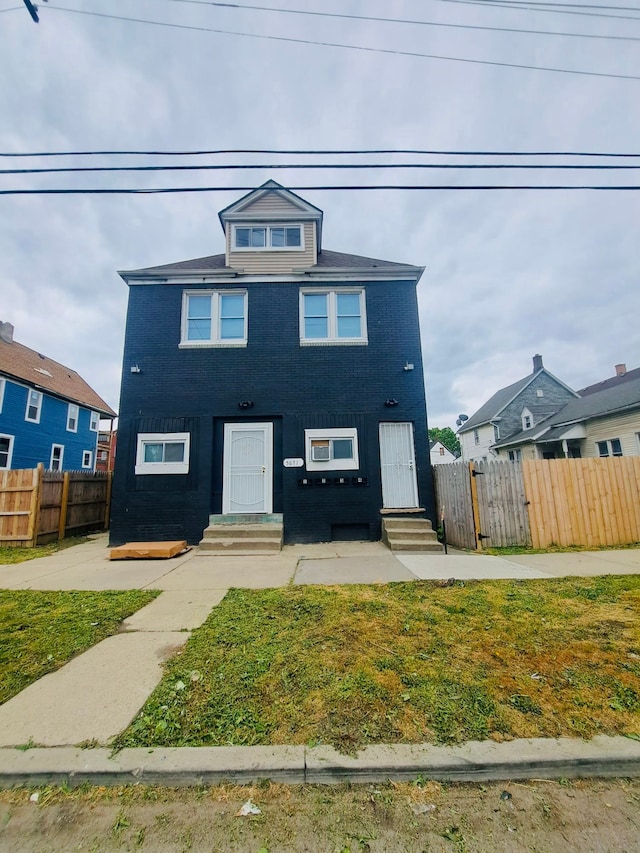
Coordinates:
535 758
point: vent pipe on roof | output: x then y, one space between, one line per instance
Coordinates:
6 332
621 369
537 363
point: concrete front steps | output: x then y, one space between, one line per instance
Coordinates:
242 535
409 533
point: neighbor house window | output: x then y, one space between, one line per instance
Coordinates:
496 432
476 437
103 455
57 453
34 407
2 386
331 449
87 459
6 450
72 418
333 316
515 455
254 237
442 451
612 447
163 453
94 421
214 318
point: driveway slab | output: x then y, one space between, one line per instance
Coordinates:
94 696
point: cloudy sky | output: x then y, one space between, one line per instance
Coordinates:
508 273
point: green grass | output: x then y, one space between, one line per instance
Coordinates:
9 556
509 550
41 631
405 662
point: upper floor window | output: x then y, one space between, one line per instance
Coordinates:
613 447
214 318
163 453
496 432
94 422
6 449
2 386
476 437
34 407
72 417
288 237
527 419
333 316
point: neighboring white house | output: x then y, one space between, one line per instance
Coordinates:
440 454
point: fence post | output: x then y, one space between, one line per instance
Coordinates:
34 508
64 503
475 506
107 505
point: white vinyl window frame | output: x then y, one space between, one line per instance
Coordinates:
94 421
6 451
609 447
162 467
215 339
268 244
329 436
87 459
57 457
34 402
3 383
73 416
332 338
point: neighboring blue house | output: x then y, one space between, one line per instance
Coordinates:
48 413
278 383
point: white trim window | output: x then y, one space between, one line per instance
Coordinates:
3 383
257 238
333 316
94 421
87 459
331 449
527 419
163 453
515 455
34 406
6 451
57 455
611 447
214 318
73 415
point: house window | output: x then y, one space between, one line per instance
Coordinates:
496 432
476 437
442 451
515 455
612 447
57 453
540 392
331 449
72 418
333 316
163 453
87 459
248 238
6 450
2 384
212 318
103 455
94 421
34 407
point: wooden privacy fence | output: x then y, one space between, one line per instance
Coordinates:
540 503
38 506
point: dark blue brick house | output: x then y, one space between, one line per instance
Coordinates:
48 413
276 380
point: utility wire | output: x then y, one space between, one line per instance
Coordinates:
291 40
305 166
559 5
428 187
404 21
320 151
521 7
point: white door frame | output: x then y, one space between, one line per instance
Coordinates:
405 467
267 467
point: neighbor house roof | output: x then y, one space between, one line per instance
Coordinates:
618 379
494 405
26 365
326 260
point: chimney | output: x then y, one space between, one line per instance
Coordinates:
6 332
537 363
621 369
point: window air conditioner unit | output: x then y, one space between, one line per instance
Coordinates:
320 452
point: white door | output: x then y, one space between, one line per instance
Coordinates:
248 468
398 464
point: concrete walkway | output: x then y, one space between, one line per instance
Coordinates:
97 694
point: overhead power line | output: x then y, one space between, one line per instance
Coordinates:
318 151
526 7
389 51
337 188
412 22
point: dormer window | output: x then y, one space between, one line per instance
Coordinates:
527 419
267 237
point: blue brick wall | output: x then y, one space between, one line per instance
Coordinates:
32 442
295 387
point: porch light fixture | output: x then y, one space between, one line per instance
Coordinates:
390 402
408 366
135 368
245 404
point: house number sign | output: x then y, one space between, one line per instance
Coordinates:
293 463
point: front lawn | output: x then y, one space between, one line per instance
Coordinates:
406 662
41 631
10 556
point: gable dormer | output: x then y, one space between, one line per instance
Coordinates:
271 231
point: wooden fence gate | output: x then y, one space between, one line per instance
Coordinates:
454 502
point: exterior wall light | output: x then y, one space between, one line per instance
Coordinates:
245 404
390 402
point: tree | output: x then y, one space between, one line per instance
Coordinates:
447 437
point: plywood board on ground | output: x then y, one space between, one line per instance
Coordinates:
148 550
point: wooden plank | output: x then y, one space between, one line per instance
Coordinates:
147 550
32 532
64 503
474 506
